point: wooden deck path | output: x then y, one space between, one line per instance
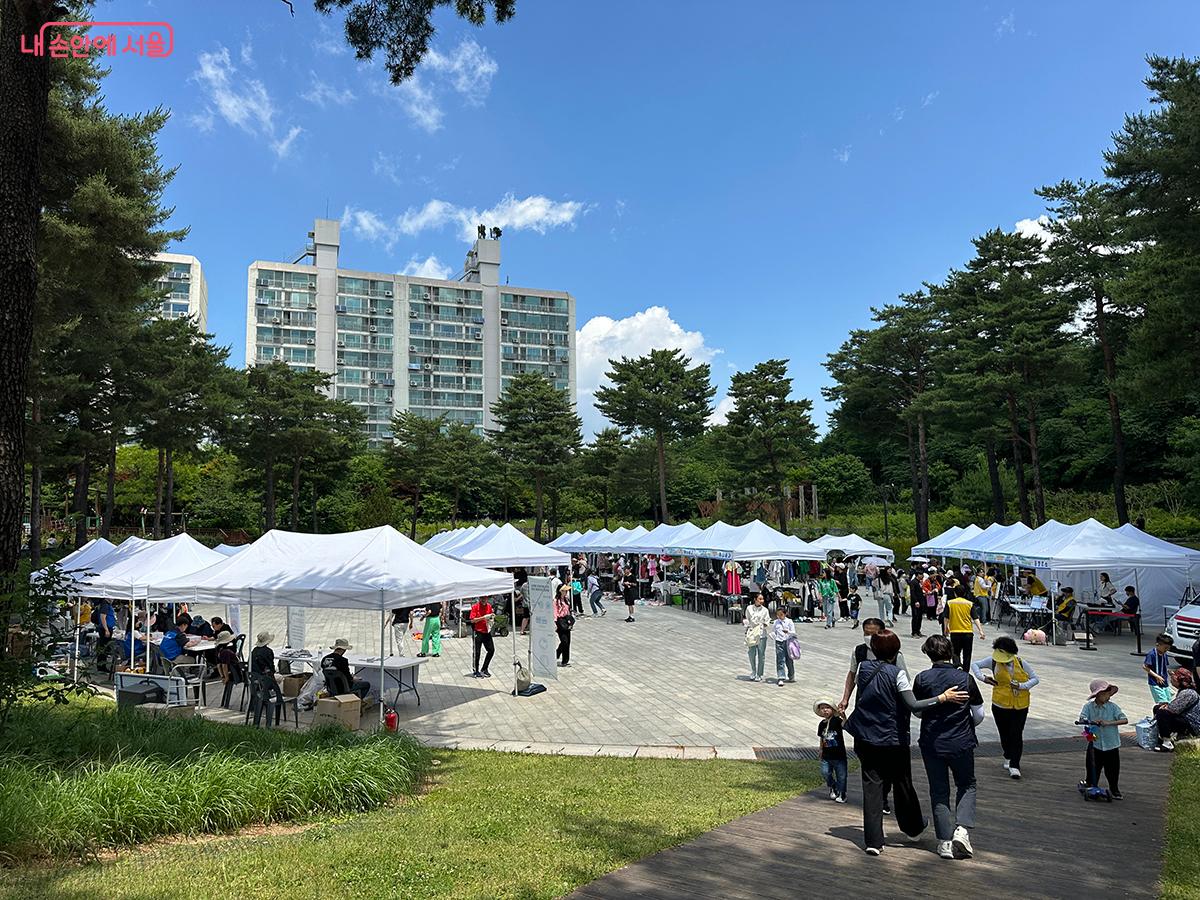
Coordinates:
1035 838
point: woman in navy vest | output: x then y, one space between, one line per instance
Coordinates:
880 726
948 747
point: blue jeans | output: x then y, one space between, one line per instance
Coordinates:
594 599
758 657
834 773
939 769
784 665
829 604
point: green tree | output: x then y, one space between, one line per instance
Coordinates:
660 396
599 460
463 467
841 480
417 454
768 432
538 432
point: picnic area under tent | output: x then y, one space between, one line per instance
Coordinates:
79 561
507 546
941 540
754 540
852 545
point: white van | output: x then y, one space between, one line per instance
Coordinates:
1184 627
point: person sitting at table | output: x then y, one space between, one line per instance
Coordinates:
1131 607
1064 616
174 643
262 677
337 662
229 667
219 627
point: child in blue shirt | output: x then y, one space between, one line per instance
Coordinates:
1103 719
833 749
1156 664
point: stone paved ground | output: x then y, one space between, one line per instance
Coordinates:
678 679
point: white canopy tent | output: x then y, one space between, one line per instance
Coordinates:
508 546
754 540
589 539
661 536
374 570
466 542
229 550
624 545
940 540
852 545
129 577
943 546
442 537
605 542
1006 550
83 559
995 534
464 538
565 540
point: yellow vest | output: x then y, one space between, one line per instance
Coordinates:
1003 694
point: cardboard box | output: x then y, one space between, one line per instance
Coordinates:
345 710
292 685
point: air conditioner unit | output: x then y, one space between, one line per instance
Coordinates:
477 334
310 342
312 285
387 293
412 349
504 321
414 383
277 321
427 296
372 329
312 304
388 399
459 300
372 382
427 367
413 314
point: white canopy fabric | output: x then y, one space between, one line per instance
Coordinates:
852 545
994 534
229 550
468 541
584 542
442 537
1091 545
79 561
661 536
941 540
605 543
942 547
508 546
754 540
632 536
1132 531
376 569
1004 551
565 539
128 577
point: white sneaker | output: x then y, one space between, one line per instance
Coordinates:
945 849
1015 773
1006 766
962 843
832 794
1167 744
839 799
874 851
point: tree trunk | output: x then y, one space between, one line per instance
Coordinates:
999 508
606 506
1114 411
923 485
269 495
35 487
537 522
662 479
1018 462
1035 463
158 494
296 494
24 89
80 505
781 504
912 470
169 523
412 528
110 488
553 514
454 509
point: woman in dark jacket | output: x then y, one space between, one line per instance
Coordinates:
880 726
948 747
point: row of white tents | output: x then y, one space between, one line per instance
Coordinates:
1160 571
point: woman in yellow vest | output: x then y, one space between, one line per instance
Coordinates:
1011 679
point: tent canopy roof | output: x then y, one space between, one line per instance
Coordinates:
1091 545
128 576
944 546
375 569
85 558
754 540
852 545
507 546
940 540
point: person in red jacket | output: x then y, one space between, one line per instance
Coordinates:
481 616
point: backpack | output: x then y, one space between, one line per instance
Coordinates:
793 647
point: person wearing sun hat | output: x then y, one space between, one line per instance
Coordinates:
1011 679
262 677
1103 719
337 662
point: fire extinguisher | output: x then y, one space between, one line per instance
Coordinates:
390 719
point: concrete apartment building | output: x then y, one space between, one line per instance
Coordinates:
401 343
188 290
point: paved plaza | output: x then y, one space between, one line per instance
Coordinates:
676 683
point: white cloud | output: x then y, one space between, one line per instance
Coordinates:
1007 25
602 338
204 121
619 206
842 154
323 94
467 67
720 413
430 267
1034 228
328 42
247 53
929 98
243 103
898 113
387 167
533 213
416 99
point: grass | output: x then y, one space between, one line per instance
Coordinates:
492 825
1181 874
81 778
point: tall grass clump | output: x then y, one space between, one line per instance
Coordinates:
73 781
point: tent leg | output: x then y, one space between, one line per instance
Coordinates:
382 620
75 655
147 633
512 630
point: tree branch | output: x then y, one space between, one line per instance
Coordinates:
290 7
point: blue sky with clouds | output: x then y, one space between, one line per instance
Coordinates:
743 181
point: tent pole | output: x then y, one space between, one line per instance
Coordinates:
512 629
382 617
78 625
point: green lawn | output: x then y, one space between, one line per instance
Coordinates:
490 825
1181 874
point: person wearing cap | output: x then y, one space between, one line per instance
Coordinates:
832 741
262 676
1103 719
336 661
1011 679
1156 665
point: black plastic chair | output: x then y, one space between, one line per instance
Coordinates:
273 703
336 683
237 674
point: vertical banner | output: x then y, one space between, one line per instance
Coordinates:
295 627
543 640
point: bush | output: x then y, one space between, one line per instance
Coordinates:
75 780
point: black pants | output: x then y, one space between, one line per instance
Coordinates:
1011 725
882 766
564 645
577 602
962 642
1108 761
918 617
484 641
1171 724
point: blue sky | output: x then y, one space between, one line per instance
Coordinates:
743 184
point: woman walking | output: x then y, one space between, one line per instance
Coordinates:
563 623
783 630
880 726
828 588
756 620
629 586
885 595
1011 679
431 631
948 745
